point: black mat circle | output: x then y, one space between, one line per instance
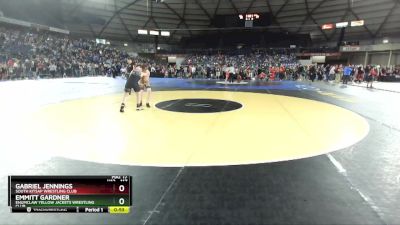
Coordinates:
196 105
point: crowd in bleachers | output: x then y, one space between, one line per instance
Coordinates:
279 67
352 73
248 65
29 54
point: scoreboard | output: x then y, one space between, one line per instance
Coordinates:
239 20
251 16
70 194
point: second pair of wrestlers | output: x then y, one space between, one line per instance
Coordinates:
139 81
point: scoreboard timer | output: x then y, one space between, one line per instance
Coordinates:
249 17
70 194
239 20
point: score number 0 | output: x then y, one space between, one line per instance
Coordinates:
121 188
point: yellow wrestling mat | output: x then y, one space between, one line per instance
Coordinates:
268 128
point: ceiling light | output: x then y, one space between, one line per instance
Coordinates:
142 32
154 32
342 24
165 33
327 26
357 23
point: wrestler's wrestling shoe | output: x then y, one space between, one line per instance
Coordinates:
122 109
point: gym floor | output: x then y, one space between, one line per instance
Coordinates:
207 152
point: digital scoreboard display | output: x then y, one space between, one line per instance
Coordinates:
249 17
239 20
69 194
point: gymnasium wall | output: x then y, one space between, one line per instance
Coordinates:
378 58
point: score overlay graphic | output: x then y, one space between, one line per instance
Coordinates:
69 194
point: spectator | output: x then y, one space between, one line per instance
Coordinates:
346 74
52 69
